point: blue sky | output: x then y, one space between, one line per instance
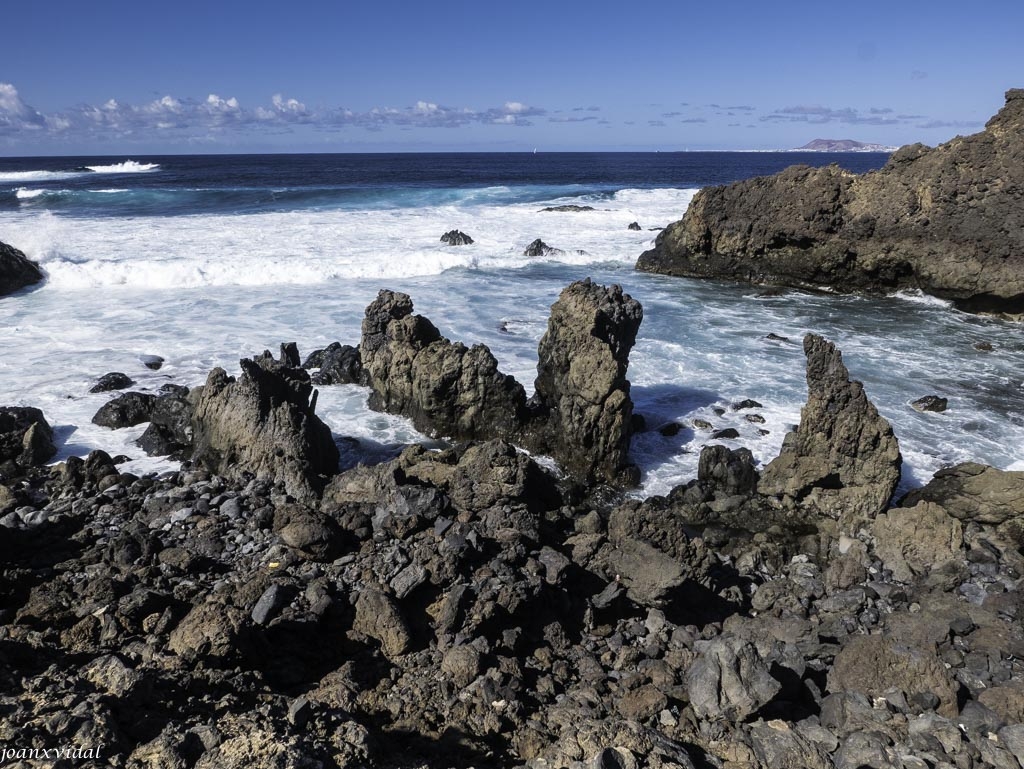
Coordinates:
223 76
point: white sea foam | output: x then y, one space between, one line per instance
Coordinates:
311 246
23 193
127 167
917 296
203 291
9 177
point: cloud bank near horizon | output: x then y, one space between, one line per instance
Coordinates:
217 120
173 118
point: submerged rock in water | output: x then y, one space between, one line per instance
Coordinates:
931 403
125 410
115 380
263 422
540 248
338 364
931 219
152 362
456 238
569 208
843 458
16 270
635 226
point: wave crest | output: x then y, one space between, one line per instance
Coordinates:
127 167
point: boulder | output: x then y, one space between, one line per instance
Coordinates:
115 380
378 616
946 221
16 270
915 541
264 423
843 458
125 410
650 576
570 208
930 403
727 470
974 492
456 238
26 438
635 226
170 424
338 364
875 664
730 680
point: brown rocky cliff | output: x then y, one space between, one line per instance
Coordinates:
948 221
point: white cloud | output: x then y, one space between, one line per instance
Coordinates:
185 119
15 114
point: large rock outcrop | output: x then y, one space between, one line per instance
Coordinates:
843 458
581 384
264 423
445 387
16 270
948 221
581 413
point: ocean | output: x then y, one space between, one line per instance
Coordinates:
206 259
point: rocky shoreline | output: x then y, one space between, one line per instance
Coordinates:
946 221
468 607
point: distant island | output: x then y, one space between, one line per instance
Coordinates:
842 145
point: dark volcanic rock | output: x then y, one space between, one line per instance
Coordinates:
946 220
170 428
973 492
115 380
263 423
634 226
456 238
930 403
540 248
26 439
581 385
339 364
730 679
873 664
125 410
581 412
571 208
843 458
446 388
16 270
152 362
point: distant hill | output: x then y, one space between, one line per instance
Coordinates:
843 145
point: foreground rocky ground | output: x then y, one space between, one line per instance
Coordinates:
466 607
947 221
